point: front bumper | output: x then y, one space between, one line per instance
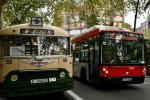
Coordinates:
122 80
23 87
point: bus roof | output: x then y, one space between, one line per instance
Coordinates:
15 30
102 27
93 31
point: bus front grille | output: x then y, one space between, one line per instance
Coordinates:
28 75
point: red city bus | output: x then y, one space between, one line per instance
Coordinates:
106 54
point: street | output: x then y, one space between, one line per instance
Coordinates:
53 96
129 92
88 91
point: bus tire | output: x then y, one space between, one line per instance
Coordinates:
83 74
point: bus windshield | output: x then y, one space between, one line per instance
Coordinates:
33 45
122 48
53 45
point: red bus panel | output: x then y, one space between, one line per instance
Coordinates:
122 71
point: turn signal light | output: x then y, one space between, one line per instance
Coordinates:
144 71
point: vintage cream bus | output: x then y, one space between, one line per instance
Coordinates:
34 59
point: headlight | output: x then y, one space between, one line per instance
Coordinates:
14 78
62 74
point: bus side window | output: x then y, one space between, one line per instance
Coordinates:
77 56
17 50
84 56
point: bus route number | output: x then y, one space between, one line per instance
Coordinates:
9 61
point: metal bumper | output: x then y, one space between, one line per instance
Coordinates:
24 87
122 80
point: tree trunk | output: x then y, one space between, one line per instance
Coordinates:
2 3
1 16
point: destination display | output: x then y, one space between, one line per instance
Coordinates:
122 36
37 31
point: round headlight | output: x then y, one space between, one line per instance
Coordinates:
14 78
62 74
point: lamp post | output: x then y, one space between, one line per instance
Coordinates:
135 19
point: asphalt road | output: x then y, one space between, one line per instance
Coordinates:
130 92
53 96
88 91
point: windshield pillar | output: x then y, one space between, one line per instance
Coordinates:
68 49
38 45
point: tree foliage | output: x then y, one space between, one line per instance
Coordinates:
64 8
142 6
103 11
90 11
127 26
19 11
147 52
147 4
147 34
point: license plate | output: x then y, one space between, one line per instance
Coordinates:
127 79
52 79
46 80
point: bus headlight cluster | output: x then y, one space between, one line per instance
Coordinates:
105 70
62 74
14 78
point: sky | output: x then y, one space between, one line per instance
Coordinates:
129 18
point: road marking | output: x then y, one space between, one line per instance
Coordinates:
147 83
73 95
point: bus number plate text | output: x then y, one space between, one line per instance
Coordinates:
46 80
127 79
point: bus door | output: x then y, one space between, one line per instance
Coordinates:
91 60
94 59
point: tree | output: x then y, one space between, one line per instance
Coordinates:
103 11
127 26
19 11
2 4
90 11
147 34
147 51
147 4
130 5
64 7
